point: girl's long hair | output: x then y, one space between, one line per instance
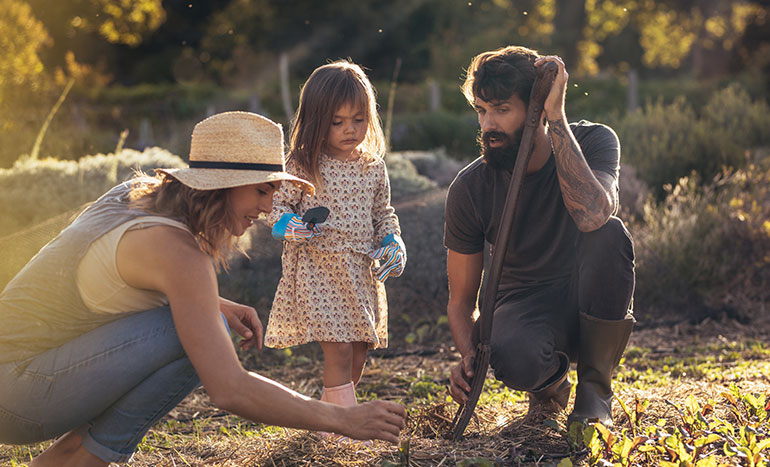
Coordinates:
327 89
206 212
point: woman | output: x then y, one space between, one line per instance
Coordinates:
116 320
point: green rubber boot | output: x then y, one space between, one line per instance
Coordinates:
601 345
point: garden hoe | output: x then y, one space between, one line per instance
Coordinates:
540 89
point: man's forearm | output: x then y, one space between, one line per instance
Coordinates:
461 326
587 201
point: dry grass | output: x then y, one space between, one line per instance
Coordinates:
198 434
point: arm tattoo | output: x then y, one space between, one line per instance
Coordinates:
584 196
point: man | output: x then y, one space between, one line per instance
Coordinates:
568 277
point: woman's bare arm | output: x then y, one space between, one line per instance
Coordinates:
167 259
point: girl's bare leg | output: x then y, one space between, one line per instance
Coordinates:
67 451
338 361
358 361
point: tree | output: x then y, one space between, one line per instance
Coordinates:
22 37
669 32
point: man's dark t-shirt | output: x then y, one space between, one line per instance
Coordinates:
544 234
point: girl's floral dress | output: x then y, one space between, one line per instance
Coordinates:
327 291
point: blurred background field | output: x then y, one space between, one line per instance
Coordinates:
91 90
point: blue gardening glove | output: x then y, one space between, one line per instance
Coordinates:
290 227
392 256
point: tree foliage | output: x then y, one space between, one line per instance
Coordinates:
21 38
233 41
124 21
668 32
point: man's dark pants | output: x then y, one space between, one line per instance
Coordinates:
532 326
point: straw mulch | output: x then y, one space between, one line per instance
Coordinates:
501 433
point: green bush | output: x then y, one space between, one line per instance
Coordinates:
425 131
33 191
705 247
404 179
663 142
734 124
668 141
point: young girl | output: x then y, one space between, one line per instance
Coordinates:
331 290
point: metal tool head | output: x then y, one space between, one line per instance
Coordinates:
463 415
315 216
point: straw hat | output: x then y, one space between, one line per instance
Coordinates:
232 149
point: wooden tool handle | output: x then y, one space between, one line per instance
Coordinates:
540 89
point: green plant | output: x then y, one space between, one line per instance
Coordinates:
699 439
404 179
705 242
430 130
666 141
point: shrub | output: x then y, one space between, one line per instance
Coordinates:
404 179
668 141
735 123
435 165
33 191
633 193
662 141
426 131
703 248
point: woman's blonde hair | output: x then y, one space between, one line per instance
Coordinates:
327 89
206 212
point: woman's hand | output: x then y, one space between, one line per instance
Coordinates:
243 320
373 420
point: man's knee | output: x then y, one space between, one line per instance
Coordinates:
612 240
606 271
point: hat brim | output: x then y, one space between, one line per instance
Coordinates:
214 179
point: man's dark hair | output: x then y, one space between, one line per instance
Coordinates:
498 74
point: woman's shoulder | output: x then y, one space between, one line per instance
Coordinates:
152 257
165 240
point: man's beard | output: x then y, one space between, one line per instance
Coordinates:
503 157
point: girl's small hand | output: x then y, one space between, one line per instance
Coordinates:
290 227
393 254
243 320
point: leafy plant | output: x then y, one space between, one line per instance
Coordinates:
667 141
698 439
693 246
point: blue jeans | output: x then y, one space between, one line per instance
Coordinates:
111 384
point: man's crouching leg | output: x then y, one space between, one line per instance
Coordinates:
606 285
602 343
525 358
553 396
